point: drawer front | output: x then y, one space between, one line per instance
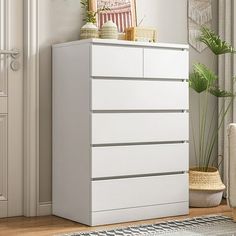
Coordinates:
116 61
163 63
139 159
139 127
136 192
139 95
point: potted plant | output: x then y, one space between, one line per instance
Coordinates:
90 30
206 187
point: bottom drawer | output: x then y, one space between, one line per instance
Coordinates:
141 191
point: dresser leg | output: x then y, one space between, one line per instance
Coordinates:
234 213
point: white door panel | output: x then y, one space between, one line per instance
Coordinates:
3 157
11 109
3 105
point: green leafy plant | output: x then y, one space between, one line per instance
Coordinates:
214 42
203 81
91 16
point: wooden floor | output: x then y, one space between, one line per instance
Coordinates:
51 225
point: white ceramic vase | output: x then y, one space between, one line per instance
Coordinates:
109 30
89 30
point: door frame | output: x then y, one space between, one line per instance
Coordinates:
31 108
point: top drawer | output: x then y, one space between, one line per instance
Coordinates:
166 63
116 61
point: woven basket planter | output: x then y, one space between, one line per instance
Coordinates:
205 188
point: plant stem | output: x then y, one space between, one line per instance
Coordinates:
204 114
212 139
217 131
199 126
209 133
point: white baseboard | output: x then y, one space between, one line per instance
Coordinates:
45 208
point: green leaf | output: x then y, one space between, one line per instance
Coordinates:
205 73
197 82
202 78
213 41
220 93
84 4
90 16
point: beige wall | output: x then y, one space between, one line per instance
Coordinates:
207 58
60 21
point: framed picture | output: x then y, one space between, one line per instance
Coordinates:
121 12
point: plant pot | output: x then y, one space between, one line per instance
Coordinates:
205 188
89 30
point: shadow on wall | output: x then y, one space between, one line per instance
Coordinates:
59 21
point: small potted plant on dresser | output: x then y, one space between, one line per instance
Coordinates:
206 187
90 30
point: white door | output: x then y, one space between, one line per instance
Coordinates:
11 108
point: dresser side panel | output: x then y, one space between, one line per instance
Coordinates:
71 133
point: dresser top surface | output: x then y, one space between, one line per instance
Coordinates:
122 43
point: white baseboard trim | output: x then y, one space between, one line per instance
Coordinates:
45 208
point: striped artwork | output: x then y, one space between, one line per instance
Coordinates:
122 13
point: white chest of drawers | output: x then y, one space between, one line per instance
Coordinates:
120 131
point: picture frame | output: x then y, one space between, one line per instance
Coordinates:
121 12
